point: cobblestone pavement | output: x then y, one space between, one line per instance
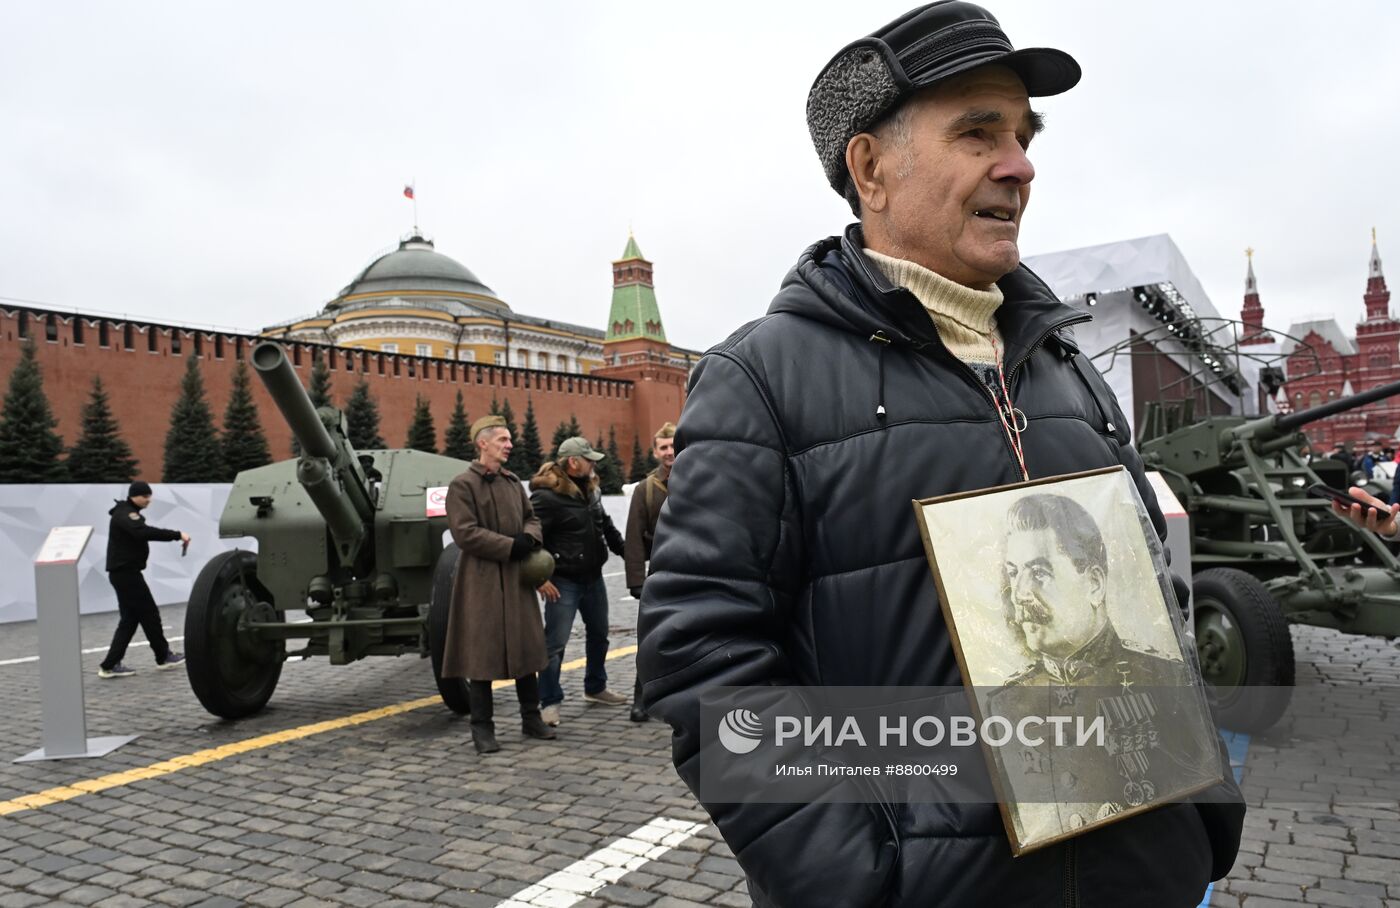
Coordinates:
1323 786
401 810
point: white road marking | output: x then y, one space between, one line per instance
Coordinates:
615 574
584 877
95 649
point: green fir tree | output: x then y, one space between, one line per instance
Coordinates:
422 434
244 445
508 415
529 444
29 446
570 429
639 462
609 468
362 419
458 439
101 455
320 390
192 445
516 462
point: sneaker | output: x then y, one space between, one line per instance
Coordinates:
116 671
606 698
550 715
172 660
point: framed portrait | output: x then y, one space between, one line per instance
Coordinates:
1068 635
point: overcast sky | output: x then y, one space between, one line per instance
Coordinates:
237 163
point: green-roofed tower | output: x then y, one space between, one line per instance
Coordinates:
635 348
634 311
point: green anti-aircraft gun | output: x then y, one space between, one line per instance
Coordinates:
354 539
1264 552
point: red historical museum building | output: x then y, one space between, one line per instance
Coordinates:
1329 364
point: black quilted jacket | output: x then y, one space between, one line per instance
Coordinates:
787 552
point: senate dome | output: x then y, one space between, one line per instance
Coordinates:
416 271
414 300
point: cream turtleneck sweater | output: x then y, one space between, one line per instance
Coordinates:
965 318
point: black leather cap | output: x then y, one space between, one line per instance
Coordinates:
871 76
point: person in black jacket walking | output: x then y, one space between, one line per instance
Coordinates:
129 540
579 534
911 357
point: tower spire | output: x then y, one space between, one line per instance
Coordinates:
1377 296
634 310
1253 312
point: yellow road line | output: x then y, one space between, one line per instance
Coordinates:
223 752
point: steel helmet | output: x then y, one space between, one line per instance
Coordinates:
537 567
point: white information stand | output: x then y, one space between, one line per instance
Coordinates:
60 651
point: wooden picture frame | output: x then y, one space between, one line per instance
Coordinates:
1056 595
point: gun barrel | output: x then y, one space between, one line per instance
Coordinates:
345 525
1287 422
291 398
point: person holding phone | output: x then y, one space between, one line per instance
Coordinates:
1367 512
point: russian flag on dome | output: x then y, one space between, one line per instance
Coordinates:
408 192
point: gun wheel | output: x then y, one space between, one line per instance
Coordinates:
1244 648
233 671
452 690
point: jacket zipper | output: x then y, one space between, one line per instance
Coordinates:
1071 876
1075 320
1011 375
991 398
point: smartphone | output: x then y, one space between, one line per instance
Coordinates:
1345 499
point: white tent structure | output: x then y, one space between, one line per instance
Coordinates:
1144 287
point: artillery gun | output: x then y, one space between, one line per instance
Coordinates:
354 539
1264 553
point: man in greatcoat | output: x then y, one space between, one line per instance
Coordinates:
494 630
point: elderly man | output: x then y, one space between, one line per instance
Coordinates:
494 630
911 357
642 515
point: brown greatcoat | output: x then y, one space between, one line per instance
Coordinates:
494 629
642 514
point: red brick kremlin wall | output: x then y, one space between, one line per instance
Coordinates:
143 383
